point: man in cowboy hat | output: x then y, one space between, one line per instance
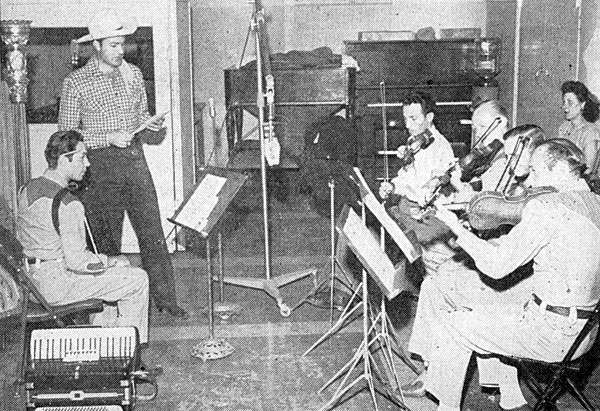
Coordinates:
106 102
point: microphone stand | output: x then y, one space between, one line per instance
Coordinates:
266 130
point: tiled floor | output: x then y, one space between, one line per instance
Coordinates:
267 371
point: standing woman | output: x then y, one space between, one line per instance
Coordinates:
581 111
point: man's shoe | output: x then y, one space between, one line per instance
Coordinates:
322 299
175 311
524 407
415 388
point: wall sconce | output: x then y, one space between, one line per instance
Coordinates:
15 34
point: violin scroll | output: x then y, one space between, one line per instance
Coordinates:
414 145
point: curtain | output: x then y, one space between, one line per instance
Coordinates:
14 156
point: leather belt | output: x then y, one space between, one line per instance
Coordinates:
564 311
33 260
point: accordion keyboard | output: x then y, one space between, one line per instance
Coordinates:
84 408
83 344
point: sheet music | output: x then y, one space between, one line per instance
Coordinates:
149 121
198 208
369 252
408 248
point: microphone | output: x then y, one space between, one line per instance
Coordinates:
212 112
270 86
270 93
75 54
211 108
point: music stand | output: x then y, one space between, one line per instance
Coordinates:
367 249
333 261
201 212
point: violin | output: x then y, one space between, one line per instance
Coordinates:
489 210
474 164
479 160
415 144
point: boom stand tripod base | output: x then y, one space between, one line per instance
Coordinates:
266 132
271 286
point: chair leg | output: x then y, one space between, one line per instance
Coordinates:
24 349
576 392
531 382
547 398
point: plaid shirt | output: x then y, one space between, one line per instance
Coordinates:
95 103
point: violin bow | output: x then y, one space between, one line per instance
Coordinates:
386 163
520 147
495 123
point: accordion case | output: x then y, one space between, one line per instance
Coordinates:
82 369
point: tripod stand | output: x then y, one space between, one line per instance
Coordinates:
266 132
376 327
345 281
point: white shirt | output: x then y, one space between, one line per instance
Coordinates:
428 163
560 233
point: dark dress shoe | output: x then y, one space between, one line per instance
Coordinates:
175 311
415 388
322 299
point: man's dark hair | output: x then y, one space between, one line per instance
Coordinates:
563 150
591 110
420 97
60 143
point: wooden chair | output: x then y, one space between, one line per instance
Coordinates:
565 375
35 308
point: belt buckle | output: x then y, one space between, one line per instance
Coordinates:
543 307
573 315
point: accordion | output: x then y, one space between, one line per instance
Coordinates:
82 369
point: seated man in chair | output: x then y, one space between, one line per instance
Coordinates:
559 232
54 241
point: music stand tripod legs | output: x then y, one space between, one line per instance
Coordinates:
375 337
333 262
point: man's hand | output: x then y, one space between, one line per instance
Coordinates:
385 189
455 178
401 151
449 218
118 261
157 124
119 139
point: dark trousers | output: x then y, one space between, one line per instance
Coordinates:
119 181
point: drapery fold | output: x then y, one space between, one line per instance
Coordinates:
15 167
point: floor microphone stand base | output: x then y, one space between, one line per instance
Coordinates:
271 286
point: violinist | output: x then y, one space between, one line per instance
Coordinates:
489 123
458 314
411 185
427 153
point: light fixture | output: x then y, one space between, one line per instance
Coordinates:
15 34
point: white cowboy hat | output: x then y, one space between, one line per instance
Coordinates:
106 24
